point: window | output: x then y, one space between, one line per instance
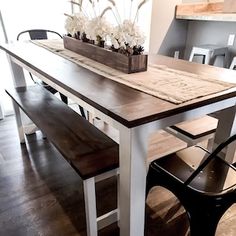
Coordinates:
23 15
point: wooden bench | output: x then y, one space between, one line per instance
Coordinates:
92 154
195 131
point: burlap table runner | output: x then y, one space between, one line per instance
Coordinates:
168 84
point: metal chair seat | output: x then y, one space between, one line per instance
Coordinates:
209 53
38 34
204 183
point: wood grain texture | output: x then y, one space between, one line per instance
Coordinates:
88 150
127 64
162 143
229 6
197 128
128 106
40 194
215 11
188 9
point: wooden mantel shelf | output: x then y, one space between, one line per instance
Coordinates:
204 12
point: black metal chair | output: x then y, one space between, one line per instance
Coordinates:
40 34
37 34
206 186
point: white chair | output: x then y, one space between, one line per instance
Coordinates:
209 53
233 64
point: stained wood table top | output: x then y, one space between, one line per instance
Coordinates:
124 104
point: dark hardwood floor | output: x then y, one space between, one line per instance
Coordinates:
41 195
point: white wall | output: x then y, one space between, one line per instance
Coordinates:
167 34
22 15
211 32
28 14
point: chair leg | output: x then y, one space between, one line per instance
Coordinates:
226 60
191 55
203 224
82 111
90 206
233 64
64 98
152 180
208 59
204 220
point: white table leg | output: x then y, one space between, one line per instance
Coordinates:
19 81
133 171
17 74
133 158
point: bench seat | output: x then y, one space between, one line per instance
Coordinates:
89 151
92 154
195 131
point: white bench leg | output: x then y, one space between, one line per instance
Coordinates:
93 222
90 206
118 200
20 127
112 216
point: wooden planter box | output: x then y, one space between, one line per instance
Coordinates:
127 64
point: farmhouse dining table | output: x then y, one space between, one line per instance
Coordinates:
135 114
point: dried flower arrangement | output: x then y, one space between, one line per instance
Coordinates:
91 26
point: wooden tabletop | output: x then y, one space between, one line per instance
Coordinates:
126 105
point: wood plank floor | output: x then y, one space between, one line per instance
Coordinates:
40 194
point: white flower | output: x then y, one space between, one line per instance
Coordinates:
75 23
127 35
98 26
115 43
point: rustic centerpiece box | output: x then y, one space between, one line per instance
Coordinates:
126 64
